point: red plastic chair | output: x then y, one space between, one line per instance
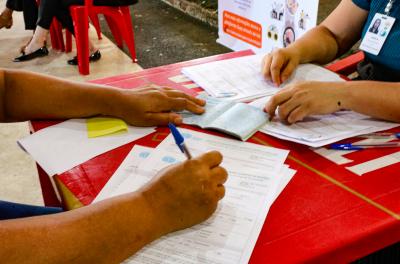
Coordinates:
347 65
119 20
56 37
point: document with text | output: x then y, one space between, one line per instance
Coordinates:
320 130
240 79
257 175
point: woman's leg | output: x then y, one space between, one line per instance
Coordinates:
38 40
48 9
30 10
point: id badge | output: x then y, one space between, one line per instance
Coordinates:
377 33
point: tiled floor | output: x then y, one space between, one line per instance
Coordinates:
18 175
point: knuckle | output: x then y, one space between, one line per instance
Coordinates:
275 67
273 101
191 165
215 156
278 52
283 111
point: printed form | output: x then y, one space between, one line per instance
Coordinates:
318 131
257 175
240 79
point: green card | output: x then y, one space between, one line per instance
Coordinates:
104 126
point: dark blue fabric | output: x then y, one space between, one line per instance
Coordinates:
389 55
10 210
364 4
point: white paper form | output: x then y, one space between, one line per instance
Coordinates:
125 179
249 156
63 146
230 234
240 79
318 131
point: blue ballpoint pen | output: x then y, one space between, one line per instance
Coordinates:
179 140
355 146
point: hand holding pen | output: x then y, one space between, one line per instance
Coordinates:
179 140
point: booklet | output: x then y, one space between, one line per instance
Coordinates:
236 119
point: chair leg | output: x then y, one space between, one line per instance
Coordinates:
128 33
81 21
53 37
95 20
59 34
115 31
68 41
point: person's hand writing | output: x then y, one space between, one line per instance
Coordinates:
152 106
186 194
299 100
279 65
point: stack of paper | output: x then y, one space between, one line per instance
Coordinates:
61 147
318 131
257 176
240 79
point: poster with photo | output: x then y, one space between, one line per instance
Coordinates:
262 25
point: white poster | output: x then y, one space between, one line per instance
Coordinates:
262 25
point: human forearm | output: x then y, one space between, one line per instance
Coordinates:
318 45
107 232
26 96
180 196
376 99
299 100
33 96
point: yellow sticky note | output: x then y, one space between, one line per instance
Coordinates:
104 126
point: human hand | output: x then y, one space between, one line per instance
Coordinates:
154 105
187 193
298 100
279 65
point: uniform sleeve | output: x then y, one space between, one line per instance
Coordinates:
364 4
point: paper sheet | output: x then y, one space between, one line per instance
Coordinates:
125 178
318 131
63 146
105 126
230 234
240 79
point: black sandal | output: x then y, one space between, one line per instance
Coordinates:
92 58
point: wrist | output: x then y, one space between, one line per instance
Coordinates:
343 96
111 102
156 201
